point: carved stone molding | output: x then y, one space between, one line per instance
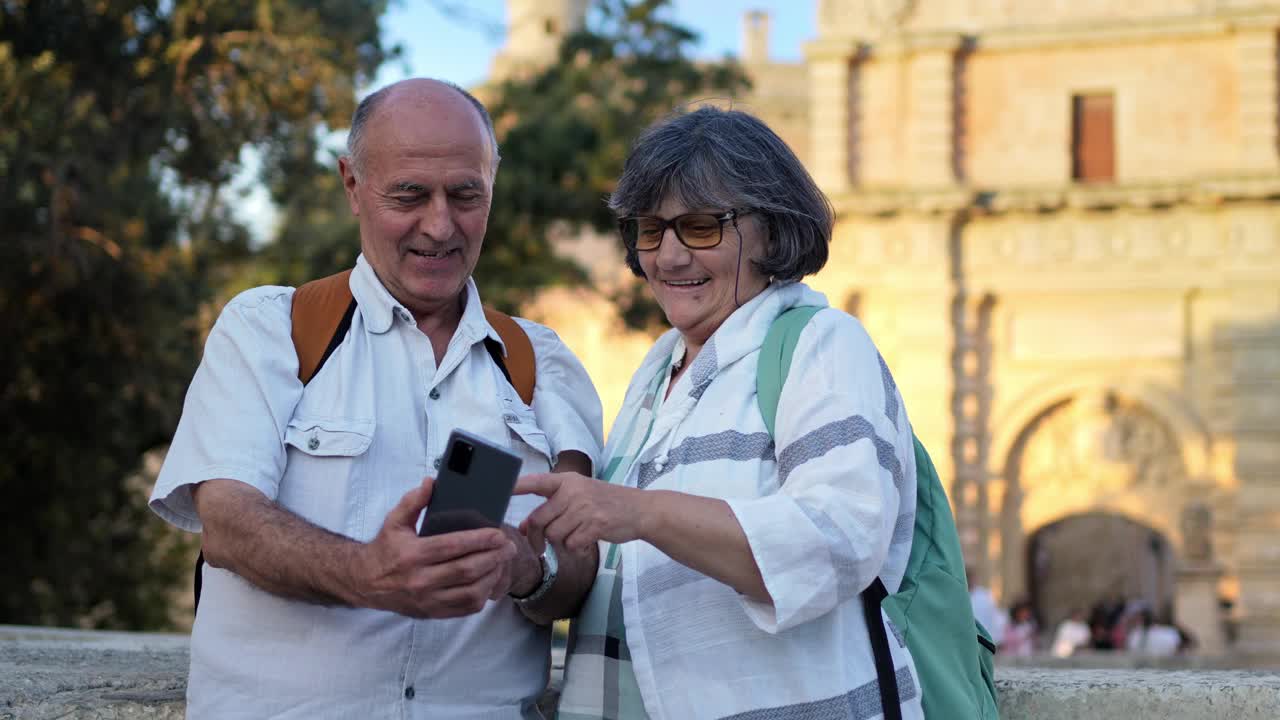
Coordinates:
1104 440
1015 24
868 18
882 201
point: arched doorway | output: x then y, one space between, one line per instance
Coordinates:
1096 452
1098 557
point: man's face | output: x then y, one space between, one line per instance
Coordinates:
422 195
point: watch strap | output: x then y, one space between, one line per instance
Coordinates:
550 570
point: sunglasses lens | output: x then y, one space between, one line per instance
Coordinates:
699 231
646 233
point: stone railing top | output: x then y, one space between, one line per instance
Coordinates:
1042 694
51 673
56 673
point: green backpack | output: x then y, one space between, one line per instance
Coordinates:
953 653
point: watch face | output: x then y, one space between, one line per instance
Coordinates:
550 563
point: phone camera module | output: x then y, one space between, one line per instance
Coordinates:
460 457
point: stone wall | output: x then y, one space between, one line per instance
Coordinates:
54 673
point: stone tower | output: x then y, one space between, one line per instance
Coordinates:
534 31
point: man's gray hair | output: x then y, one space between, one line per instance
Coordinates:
728 159
369 105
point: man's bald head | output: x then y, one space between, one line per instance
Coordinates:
422 90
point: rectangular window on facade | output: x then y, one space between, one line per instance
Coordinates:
1093 138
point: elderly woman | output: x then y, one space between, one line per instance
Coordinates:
732 559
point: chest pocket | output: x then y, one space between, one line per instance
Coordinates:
527 440
321 479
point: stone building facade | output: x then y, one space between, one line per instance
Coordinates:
1059 221
1096 347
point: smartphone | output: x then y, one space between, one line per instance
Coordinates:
473 487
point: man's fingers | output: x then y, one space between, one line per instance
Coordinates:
502 583
406 511
439 549
544 484
464 571
468 598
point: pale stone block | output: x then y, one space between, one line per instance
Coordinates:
1197 607
1065 332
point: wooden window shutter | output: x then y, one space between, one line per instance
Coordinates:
1093 144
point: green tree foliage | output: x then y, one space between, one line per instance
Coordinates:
121 123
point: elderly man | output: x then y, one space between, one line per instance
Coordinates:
319 598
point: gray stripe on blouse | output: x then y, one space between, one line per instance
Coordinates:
861 703
844 561
703 369
838 433
727 445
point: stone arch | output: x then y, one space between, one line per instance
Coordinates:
1090 559
1193 436
1089 449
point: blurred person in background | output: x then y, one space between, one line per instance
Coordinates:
1071 635
1020 635
1147 637
985 608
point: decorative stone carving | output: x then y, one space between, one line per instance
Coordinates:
873 17
1104 440
865 17
1197 538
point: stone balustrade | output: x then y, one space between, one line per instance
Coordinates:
54 673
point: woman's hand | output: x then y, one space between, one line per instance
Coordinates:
580 511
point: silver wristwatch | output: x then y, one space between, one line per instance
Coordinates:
550 569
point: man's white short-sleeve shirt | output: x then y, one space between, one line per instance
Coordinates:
369 426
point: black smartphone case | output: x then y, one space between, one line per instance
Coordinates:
477 498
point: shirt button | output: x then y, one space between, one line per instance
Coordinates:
313 442
434 394
436 463
408 693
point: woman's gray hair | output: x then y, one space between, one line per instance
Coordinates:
728 159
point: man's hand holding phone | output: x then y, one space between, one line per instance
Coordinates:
440 576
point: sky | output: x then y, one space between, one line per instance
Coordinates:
460 47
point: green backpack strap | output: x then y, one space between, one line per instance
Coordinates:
775 359
931 608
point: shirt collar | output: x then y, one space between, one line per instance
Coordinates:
744 330
380 310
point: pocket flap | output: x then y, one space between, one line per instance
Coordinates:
526 428
330 437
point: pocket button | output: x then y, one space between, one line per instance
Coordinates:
436 463
313 442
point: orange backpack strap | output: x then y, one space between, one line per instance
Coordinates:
520 365
322 312
321 315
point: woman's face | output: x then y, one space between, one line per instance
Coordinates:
695 288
